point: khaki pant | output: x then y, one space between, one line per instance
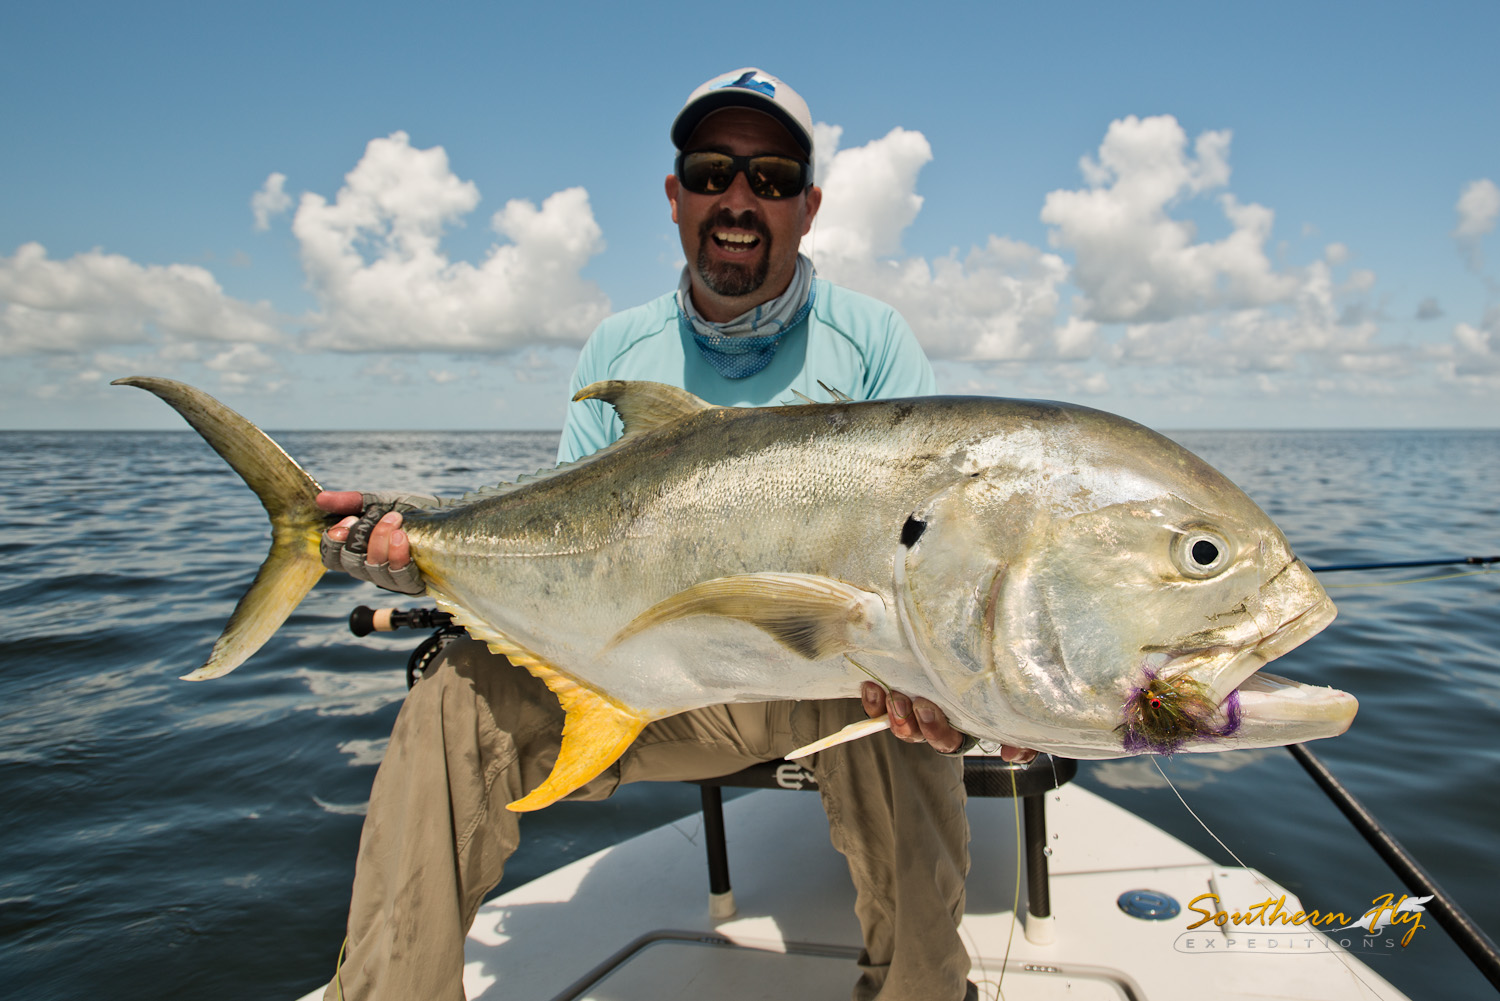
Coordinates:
477 733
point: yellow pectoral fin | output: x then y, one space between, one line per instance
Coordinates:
853 731
596 732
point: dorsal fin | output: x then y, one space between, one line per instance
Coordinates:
644 406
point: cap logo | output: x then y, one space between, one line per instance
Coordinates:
750 81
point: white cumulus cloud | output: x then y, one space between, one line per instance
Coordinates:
1133 261
1152 292
869 192
270 200
1472 359
1216 306
1478 207
997 302
373 257
242 358
1264 339
94 299
244 366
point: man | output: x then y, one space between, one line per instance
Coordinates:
748 326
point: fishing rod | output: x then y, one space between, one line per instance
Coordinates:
1467 935
365 620
1471 561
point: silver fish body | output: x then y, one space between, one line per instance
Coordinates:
1049 575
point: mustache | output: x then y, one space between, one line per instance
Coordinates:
725 219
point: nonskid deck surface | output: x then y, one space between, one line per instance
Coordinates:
631 923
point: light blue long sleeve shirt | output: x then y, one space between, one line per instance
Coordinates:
852 343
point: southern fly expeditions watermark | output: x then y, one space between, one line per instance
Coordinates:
1269 928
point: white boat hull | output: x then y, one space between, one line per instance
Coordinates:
632 922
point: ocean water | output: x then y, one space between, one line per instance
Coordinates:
166 839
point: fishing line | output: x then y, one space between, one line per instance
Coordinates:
1199 819
873 676
1414 580
1015 907
1339 953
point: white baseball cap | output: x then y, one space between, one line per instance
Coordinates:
746 88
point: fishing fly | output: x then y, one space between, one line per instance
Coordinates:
1165 713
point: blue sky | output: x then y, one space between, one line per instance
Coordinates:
1271 215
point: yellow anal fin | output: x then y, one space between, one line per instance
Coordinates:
853 731
814 616
596 732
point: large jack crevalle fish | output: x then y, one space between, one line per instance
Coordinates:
1050 576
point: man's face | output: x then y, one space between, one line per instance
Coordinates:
741 250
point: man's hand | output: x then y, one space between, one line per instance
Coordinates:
386 557
917 721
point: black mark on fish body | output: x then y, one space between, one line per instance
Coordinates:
912 531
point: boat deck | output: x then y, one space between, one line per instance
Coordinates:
632 921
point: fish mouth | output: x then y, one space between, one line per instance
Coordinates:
1260 709
1274 710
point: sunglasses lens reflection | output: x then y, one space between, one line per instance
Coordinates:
708 173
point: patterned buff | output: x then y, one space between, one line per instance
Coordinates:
743 346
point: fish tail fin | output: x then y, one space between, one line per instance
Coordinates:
289 495
596 732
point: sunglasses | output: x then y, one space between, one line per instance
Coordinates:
709 173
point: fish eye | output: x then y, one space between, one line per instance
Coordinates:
1200 553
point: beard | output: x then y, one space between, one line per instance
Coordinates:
727 278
